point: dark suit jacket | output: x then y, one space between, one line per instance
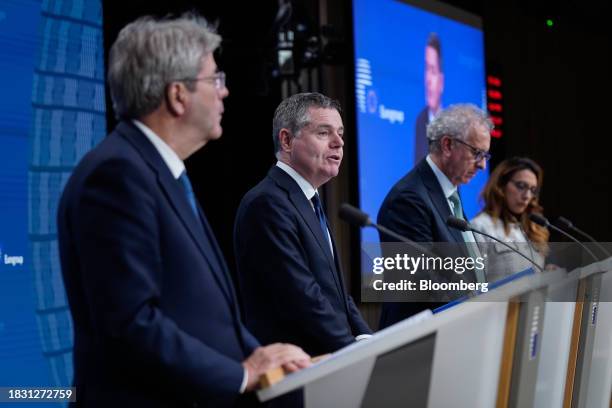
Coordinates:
417 209
291 284
155 316
421 144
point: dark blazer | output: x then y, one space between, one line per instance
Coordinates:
421 144
291 284
417 209
155 315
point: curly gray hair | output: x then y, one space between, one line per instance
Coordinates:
456 121
149 54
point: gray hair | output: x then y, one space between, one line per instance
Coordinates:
292 113
149 54
456 121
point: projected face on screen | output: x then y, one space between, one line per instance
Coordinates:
434 77
410 62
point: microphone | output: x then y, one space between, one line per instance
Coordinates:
568 225
355 216
458 223
463 225
543 222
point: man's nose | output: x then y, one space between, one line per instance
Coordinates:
337 140
481 164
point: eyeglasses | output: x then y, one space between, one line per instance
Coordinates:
477 153
524 187
218 80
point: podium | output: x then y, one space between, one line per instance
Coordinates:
557 339
452 358
525 333
599 391
589 370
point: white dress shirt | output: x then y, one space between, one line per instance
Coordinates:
307 188
448 189
169 156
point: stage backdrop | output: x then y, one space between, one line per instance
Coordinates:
51 113
390 37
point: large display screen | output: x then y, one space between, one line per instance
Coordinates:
412 59
51 113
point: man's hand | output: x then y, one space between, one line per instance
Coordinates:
288 356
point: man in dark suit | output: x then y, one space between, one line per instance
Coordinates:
434 86
156 321
288 264
419 204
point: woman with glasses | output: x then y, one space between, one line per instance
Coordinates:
510 195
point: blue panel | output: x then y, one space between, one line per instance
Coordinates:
52 66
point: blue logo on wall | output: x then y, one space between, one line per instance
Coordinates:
372 101
368 100
363 79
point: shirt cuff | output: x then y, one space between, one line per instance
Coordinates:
363 337
245 381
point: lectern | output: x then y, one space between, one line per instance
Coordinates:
449 359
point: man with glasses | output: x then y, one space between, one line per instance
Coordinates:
156 318
419 204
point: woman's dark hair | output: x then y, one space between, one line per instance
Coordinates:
495 199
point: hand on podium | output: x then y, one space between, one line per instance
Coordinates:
274 375
278 356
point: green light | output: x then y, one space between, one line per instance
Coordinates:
549 22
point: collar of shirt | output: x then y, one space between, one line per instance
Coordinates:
169 156
447 187
307 188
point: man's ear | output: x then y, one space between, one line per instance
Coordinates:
286 139
446 145
177 98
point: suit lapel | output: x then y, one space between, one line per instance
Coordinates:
176 196
339 271
437 197
304 208
198 229
220 259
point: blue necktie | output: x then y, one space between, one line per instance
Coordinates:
189 193
209 243
316 202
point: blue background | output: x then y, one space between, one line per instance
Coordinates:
392 36
52 112
21 360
